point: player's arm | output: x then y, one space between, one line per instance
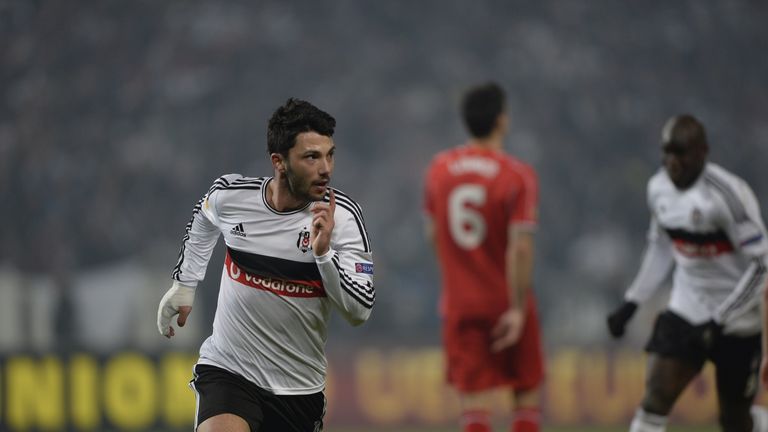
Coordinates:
747 294
519 270
658 260
196 249
346 265
518 259
746 231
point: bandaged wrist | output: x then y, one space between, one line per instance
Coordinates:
324 258
180 295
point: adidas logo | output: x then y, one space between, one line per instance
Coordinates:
238 230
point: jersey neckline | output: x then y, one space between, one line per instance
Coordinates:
273 210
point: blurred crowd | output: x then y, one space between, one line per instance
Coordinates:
115 117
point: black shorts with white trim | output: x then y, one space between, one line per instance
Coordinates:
219 391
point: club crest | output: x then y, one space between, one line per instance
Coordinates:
303 241
696 216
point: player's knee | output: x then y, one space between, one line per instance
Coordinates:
658 399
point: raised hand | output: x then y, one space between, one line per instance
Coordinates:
322 224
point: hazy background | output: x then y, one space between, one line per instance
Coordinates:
116 116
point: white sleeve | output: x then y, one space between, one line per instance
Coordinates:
658 261
198 242
746 231
347 270
747 294
743 222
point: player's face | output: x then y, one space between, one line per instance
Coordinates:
683 162
309 166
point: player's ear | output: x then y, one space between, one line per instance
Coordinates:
502 122
278 162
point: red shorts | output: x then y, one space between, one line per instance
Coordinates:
472 367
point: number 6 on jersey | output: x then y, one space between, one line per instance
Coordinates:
466 224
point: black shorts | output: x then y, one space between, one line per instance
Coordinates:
736 358
222 392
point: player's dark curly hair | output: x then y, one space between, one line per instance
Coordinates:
480 107
294 117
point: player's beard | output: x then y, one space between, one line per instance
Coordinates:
298 186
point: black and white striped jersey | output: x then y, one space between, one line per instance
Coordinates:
714 236
275 297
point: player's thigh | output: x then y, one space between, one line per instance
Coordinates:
737 363
224 400
676 356
294 413
468 357
473 368
666 379
224 423
524 361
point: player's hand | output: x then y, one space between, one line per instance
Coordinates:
177 301
508 329
322 224
618 319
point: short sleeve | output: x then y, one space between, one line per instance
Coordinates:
525 201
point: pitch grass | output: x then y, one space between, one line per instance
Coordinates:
330 428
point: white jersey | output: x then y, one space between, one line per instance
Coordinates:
275 297
714 236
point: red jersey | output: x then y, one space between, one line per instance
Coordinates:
473 195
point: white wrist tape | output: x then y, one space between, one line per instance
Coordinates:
178 295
